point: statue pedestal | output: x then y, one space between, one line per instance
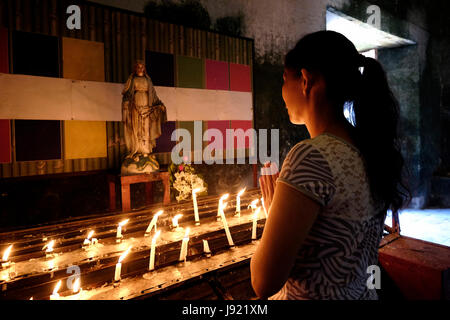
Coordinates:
148 179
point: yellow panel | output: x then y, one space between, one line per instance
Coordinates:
84 139
83 60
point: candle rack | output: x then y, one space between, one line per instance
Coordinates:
97 263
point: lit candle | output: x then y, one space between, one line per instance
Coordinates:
55 294
153 223
76 290
225 225
264 207
253 205
119 230
255 223
194 199
184 246
206 249
117 275
87 241
175 219
221 200
152 251
49 249
5 262
238 202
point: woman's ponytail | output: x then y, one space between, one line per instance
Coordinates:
376 113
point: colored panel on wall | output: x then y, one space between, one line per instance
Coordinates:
5 141
190 72
160 68
37 140
244 125
240 78
83 60
217 75
4 54
85 139
164 142
35 54
222 126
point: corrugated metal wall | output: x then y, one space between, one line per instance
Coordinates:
126 37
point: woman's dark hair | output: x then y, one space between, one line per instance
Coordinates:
375 108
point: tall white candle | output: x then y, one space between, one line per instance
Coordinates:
238 202
194 199
117 274
206 249
119 229
153 223
225 225
221 200
264 207
152 251
255 223
184 246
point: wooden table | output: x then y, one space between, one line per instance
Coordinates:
148 179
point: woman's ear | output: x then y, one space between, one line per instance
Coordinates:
307 81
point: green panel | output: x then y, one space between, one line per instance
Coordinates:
190 72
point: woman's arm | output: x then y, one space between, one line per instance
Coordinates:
291 216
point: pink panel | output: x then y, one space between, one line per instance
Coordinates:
222 126
240 79
5 141
4 56
217 75
244 125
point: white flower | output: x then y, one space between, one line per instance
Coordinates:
185 182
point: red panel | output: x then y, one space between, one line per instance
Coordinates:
244 125
222 126
4 56
240 79
217 75
5 141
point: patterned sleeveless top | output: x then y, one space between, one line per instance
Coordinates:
343 241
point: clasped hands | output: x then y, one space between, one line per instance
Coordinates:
267 182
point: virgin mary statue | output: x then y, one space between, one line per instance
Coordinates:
143 113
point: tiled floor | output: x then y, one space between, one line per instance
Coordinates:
430 224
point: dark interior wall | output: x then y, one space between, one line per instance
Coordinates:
419 76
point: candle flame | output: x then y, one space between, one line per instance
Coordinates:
186 235
122 257
49 246
55 291
257 212
241 192
156 236
224 205
175 220
31 298
196 190
76 286
6 253
224 197
124 222
90 235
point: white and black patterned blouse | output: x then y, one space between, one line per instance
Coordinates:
343 241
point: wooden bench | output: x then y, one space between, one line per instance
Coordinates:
148 179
